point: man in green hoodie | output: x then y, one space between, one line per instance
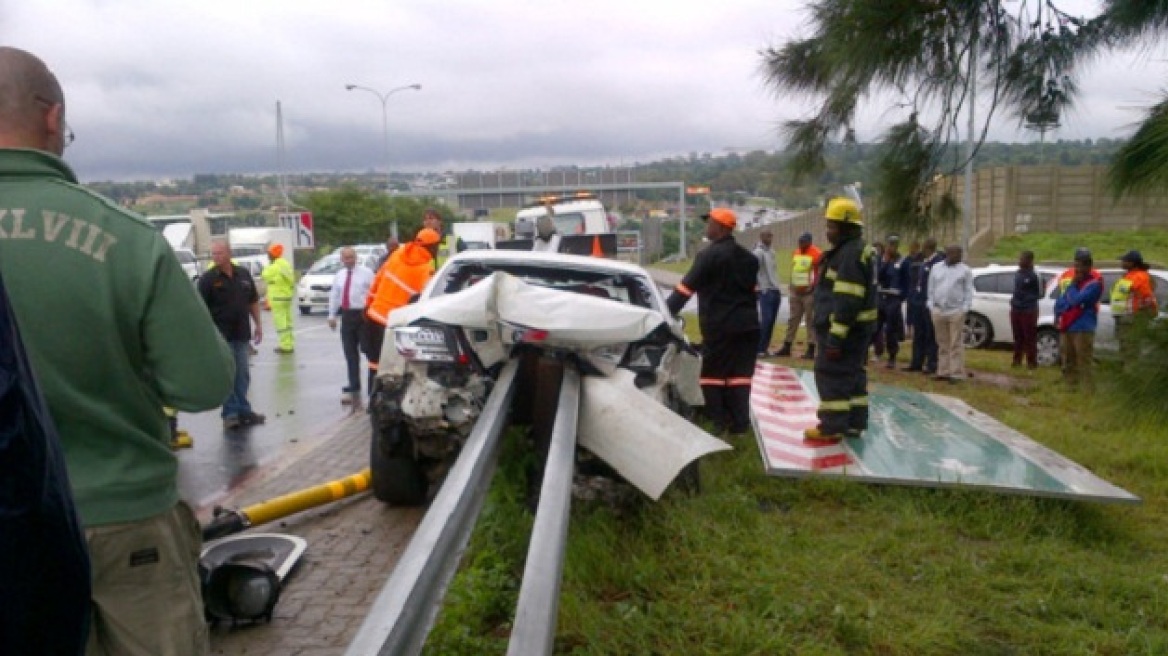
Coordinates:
114 331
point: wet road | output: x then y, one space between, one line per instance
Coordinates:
299 393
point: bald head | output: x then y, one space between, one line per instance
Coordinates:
32 105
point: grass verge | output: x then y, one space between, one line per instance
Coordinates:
759 565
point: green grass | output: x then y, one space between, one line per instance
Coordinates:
760 565
1106 247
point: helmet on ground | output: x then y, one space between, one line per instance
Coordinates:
844 210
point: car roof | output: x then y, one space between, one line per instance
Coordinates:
551 259
1005 268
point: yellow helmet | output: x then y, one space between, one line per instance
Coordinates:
844 210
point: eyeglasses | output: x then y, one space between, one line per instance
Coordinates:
67 136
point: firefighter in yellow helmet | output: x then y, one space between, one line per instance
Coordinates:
845 318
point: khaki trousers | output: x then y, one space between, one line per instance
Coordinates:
147 600
800 305
949 329
1078 352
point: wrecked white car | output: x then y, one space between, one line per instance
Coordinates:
442 354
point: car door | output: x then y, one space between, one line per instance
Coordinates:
1105 330
991 292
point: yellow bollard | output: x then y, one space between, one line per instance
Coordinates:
234 521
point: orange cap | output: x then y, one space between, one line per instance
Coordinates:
722 216
276 250
428 237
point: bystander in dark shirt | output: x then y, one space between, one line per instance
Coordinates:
229 298
1027 290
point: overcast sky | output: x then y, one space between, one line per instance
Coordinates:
160 88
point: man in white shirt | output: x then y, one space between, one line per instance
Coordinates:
769 296
347 298
950 298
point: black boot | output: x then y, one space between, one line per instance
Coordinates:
784 352
810 353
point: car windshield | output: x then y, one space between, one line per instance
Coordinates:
619 286
329 264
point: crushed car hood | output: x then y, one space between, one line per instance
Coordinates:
571 320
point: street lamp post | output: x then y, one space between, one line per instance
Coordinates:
384 98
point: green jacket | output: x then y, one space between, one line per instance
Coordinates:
281 280
114 331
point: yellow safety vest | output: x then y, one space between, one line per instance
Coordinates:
280 278
801 266
1120 296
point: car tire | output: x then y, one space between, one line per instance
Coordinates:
306 309
398 477
978 332
1048 347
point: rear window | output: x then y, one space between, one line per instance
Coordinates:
621 287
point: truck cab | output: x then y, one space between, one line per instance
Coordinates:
577 214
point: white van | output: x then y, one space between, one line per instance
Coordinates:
581 214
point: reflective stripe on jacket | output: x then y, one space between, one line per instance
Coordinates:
1134 294
803 267
846 291
404 274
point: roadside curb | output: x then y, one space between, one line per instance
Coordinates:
269 474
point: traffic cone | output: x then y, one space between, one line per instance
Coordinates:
597 251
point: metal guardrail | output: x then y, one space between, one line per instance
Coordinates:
534 629
404 611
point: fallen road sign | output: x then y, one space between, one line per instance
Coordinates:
913 438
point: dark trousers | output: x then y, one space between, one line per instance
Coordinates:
893 323
1024 323
843 384
374 337
769 303
352 327
924 343
727 369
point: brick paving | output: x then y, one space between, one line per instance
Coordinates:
353 546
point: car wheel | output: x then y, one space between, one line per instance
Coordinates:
398 477
1048 347
305 309
978 332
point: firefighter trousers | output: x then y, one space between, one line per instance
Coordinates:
843 383
727 369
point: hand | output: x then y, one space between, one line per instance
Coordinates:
833 353
259 334
332 324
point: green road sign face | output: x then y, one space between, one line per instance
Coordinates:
912 439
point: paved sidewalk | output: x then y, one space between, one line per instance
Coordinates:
353 546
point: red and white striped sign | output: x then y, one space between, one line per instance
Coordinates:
782 408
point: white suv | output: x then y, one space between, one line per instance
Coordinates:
988 322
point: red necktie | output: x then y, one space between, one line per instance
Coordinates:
345 293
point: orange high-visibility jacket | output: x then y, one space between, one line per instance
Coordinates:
404 274
1134 294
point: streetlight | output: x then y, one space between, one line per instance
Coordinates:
384 98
